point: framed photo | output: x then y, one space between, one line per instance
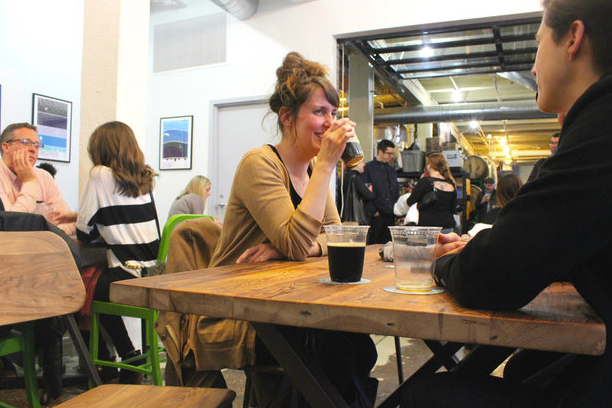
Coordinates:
53 119
175 142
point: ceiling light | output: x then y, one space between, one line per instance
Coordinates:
507 149
456 95
474 124
489 136
426 52
502 141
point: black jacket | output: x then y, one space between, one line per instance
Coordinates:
384 181
556 228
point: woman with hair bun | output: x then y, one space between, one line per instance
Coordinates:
279 202
440 183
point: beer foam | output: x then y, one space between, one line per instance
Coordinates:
346 244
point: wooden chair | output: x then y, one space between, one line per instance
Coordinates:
39 280
145 396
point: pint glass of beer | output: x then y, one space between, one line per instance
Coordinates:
346 249
352 152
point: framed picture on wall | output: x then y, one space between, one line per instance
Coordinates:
53 119
175 142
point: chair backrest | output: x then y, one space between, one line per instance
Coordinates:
170 224
39 277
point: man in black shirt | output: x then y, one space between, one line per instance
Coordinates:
386 190
530 245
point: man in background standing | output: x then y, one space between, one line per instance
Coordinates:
554 142
386 190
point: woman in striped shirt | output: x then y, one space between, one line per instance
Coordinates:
116 209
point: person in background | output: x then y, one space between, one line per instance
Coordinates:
529 246
116 209
23 187
554 142
383 178
486 202
402 209
49 168
440 183
508 186
192 200
279 202
354 184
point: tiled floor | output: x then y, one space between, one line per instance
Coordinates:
415 353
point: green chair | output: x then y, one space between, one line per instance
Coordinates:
170 224
150 354
151 351
23 342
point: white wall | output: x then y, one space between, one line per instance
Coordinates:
256 48
41 47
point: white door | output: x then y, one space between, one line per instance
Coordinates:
237 128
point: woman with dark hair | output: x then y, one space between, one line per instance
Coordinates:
508 186
116 209
436 195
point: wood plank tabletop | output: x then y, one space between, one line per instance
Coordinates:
39 277
290 293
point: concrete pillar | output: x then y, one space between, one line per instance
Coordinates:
115 67
361 101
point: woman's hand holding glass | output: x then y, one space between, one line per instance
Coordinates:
334 140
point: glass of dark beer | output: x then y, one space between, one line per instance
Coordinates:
352 152
346 249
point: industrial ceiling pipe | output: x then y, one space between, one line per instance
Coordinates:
461 112
241 9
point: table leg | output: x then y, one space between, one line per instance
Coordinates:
306 375
81 348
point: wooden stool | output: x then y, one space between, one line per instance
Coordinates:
141 396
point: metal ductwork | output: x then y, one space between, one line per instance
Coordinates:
241 9
461 113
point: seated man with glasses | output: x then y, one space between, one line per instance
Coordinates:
23 187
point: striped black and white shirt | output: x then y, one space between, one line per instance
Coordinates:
126 225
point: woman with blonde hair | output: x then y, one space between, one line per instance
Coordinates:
436 195
192 200
116 209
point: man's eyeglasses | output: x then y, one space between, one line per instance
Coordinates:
27 142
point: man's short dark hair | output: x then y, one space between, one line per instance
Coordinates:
595 14
48 167
556 135
7 133
384 144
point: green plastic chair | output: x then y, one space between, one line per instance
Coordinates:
151 366
170 224
23 342
150 354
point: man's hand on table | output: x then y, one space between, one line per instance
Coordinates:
57 217
449 244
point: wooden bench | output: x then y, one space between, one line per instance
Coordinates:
141 396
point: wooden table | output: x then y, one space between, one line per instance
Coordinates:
290 293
